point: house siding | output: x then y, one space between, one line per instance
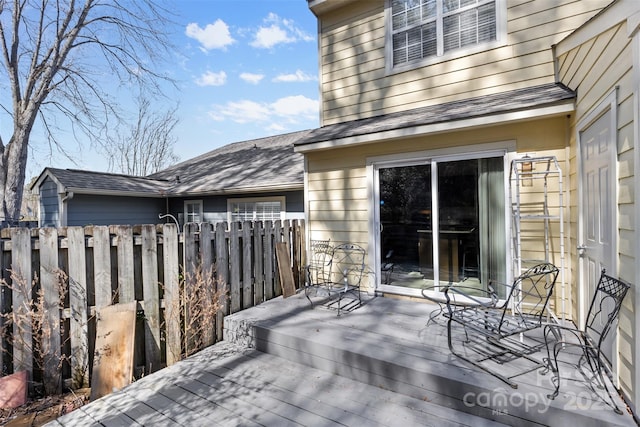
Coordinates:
338 198
49 204
90 210
596 68
355 84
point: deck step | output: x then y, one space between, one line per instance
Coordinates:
390 347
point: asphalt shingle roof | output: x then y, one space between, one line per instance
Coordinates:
516 100
256 164
108 182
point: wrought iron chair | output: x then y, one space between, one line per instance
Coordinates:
497 325
588 342
340 276
318 268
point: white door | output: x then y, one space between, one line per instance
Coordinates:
596 248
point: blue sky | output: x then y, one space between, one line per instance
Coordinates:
245 69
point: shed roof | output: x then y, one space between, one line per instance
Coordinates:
528 98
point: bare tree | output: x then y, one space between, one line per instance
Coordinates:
147 144
61 60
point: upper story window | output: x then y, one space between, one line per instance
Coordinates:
261 209
422 29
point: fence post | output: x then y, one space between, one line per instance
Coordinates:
171 291
22 298
78 302
50 334
151 297
277 238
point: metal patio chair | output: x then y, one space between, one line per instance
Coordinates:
494 327
588 342
338 277
318 268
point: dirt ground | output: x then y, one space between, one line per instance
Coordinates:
40 411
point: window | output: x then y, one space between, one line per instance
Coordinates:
193 211
262 209
422 29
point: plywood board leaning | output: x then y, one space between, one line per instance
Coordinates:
114 354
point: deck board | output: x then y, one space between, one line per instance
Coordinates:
380 365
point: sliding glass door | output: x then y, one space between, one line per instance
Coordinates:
441 222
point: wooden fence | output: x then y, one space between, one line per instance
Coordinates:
101 266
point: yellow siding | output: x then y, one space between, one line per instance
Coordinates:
595 69
355 84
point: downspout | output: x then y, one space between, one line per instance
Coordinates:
63 208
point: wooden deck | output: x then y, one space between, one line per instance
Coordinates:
283 363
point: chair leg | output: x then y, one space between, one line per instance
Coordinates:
471 361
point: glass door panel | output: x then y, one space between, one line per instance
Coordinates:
405 215
459 225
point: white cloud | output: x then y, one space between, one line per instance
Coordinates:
241 111
296 106
252 78
291 109
212 79
298 76
213 36
276 31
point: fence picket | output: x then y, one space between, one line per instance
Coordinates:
171 273
234 265
206 261
190 265
151 297
50 334
222 274
22 297
258 260
102 266
78 302
268 256
247 264
126 275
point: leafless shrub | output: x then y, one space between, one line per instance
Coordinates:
30 326
201 298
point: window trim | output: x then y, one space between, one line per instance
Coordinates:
200 210
501 38
281 199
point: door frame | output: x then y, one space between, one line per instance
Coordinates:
496 149
608 104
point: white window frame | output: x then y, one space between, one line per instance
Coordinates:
199 207
501 37
505 149
280 199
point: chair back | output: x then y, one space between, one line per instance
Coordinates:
319 263
605 307
531 292
347 264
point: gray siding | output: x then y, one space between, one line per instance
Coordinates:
109 210
49 204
